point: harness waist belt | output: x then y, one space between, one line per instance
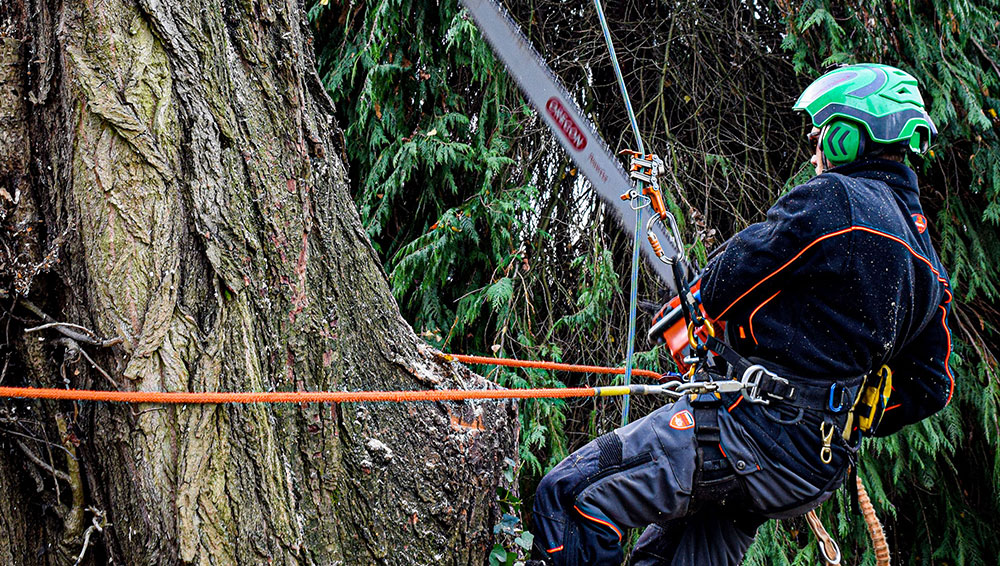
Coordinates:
760 385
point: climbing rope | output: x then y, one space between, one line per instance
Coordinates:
195 398
554 366
828 548
633 297
879 545
217 398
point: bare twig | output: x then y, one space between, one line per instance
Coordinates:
138 414
48 452
99 369
985 56
95 525
35 439
67 329
86 543
66 324
73 520
42 464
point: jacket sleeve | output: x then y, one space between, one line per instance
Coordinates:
761 257
922 382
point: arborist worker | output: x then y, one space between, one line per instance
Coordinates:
837 292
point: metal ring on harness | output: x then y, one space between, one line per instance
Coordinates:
692 339
753 380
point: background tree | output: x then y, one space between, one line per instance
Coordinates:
174 213
509 252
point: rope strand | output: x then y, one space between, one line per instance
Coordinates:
633 296
218 398
196 398
879 544
555 366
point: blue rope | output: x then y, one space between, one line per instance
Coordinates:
633 299
618 74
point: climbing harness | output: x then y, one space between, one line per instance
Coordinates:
715 479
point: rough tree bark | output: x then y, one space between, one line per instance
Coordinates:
172 177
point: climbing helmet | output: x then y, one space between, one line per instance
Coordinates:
858 106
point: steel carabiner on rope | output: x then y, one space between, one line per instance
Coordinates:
670 229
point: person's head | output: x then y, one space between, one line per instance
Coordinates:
862 111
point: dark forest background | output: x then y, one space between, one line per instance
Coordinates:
495 246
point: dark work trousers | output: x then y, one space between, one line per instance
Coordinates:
700 508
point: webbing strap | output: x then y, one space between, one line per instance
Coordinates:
836 397
714 477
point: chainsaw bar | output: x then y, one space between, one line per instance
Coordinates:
553 103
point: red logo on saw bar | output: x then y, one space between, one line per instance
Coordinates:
566 124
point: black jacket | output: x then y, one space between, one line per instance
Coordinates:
839 279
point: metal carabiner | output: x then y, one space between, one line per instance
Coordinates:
692 339
752 380
672 232
826 452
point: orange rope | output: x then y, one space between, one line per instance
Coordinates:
183 397
875 531
549 365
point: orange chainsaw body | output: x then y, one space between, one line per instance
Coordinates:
670 328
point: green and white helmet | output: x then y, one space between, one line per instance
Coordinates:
882 99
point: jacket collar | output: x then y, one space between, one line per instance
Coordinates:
895 174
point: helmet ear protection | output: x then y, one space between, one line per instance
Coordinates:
843 142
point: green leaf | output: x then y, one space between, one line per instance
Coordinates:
525 540
500 293
498 556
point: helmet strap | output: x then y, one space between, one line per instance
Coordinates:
822 136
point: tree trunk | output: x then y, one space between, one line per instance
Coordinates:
174 178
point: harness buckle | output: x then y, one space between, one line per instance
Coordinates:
758 385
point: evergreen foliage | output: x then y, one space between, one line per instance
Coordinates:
494 245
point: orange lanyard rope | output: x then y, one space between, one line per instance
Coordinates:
184 397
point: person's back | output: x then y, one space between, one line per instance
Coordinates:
839 280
